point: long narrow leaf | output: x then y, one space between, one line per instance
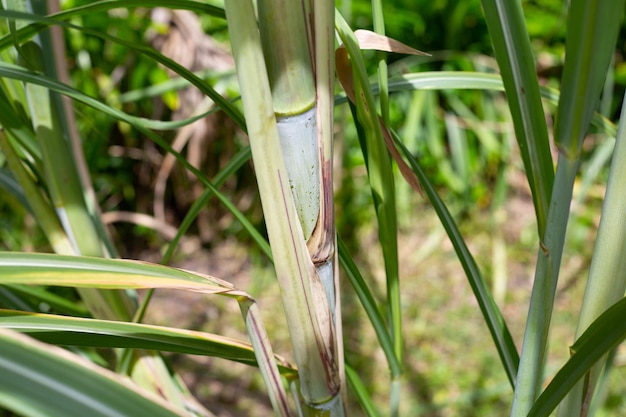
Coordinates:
74 331
495 322
57 303
604 334
462 80
60 270
220 101
505 20
380 173
83 272
106 5
369 305
40 380
592 30
361 393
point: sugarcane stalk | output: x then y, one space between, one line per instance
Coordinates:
282 120
592 32
56 164
607 280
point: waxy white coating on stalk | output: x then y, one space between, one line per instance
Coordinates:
298 141
327 276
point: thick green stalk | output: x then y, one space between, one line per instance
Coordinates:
306 304
287 56
306 133
298 140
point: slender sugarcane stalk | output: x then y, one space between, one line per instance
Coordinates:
592 33
57 166
607 279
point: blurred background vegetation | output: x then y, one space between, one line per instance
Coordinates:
464 140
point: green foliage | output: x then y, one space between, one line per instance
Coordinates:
416 341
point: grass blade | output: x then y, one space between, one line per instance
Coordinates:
604 334
42 380
74 331
83 272
380 174
369 305
12 71
43 22
505 20
361 393
592 29
495 322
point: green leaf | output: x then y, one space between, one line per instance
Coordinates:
604 334
107 5
83 272
505 20
495 322
74 331
42 295
464 80
41 380
592 29
369 305
361 392
380 174
43 22
18 73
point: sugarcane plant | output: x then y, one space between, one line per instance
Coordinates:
310 298
286 54
36 140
